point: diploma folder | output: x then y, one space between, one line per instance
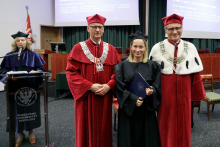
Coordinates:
138 86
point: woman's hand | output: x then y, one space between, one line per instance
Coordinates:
9 71
139 102
34 71
149 91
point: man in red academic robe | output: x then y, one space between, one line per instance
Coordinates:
91 79
180 83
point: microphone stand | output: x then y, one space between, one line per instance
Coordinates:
10 55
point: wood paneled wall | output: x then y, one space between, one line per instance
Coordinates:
211 64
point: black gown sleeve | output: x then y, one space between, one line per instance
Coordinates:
154 100
41 68
126 99
125 57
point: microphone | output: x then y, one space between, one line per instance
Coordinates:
43 44
19 52
48 43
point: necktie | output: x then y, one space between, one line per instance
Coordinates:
175 51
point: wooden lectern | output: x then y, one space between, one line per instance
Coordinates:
58 64
44 54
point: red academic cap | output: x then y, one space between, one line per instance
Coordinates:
96 18
174 18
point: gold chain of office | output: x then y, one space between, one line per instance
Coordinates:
174 60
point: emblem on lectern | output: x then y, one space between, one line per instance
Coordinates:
25 96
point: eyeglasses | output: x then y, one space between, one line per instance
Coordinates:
172 29
95 27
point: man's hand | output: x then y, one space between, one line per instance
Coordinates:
96 87
105 88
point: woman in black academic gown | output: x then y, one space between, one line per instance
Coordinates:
137 122
32 63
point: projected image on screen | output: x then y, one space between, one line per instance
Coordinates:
117 12
201 17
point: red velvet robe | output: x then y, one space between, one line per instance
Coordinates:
177 92
93 113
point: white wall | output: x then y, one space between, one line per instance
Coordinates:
147 16
13 17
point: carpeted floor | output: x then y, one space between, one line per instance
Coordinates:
61 125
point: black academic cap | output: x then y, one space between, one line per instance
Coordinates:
138 35
19 34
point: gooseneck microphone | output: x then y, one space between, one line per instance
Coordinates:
19 52
48 43
43 44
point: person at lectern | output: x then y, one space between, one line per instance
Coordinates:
180 83
137 122
91 78
25 60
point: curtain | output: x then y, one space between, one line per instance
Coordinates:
211 44
117 36
157 10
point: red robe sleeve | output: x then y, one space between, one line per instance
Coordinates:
77 84
198 91
112 82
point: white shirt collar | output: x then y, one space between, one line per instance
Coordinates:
95 42
175 43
